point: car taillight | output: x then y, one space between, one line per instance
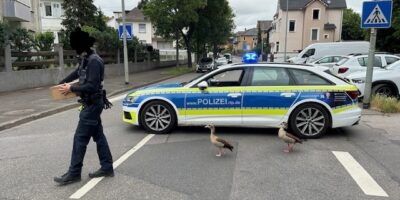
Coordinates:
343 70
353 94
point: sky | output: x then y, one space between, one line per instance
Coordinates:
247 12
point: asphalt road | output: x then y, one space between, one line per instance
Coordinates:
183 165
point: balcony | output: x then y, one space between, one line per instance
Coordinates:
17 10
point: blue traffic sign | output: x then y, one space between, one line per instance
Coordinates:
377 14
129 34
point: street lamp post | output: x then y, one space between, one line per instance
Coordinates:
287 16
126 69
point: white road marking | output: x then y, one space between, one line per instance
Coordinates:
93 182
360 175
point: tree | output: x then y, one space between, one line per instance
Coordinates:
220 21
78 13
389 39
351 29
44 41
171 16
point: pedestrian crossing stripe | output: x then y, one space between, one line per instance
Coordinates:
376 17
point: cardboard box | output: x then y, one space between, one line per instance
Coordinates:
56 94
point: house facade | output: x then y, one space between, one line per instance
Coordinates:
20 13
142 28
245 40
309 21
50 17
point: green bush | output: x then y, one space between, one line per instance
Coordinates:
22 40
44 41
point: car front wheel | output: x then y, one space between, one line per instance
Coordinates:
383 89
158 117
309 121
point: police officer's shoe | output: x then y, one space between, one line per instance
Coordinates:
67 178
101 173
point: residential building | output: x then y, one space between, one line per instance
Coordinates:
245 40
50 17
19 13
309 21
143 29
265 27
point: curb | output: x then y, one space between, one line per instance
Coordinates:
24 120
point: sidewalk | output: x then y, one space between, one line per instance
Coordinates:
22 106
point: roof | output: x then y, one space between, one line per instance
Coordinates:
301 4
135 15
250 32
264 24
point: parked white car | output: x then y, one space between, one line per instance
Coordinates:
318 50
228 56
328 61
221 61
359 63
385 81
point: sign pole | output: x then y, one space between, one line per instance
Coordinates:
370 69
126 69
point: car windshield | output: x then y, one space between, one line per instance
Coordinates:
187 82
205 60
395 65
226 56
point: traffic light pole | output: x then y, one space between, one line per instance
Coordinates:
370 69
126 69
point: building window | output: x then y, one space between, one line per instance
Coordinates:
142 41
48 10
142 28
315 14
314 34
326 36
292 25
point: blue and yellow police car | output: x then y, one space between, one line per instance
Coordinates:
248 95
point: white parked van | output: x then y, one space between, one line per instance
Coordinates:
318 50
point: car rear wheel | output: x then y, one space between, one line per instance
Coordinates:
309 121
383 89
158 117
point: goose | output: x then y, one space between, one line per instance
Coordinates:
288 138
218 142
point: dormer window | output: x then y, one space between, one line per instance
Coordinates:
315 14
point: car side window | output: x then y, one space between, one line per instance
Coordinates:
228 78
326 60
271 76
303 77
310 52
390 60
336 59
364 61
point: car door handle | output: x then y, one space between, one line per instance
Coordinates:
288 94
234 95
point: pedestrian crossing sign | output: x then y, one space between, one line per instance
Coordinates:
376 14
129 34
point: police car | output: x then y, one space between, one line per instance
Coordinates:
248 95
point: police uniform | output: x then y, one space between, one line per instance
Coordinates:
92 98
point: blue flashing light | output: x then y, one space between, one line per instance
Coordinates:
250 58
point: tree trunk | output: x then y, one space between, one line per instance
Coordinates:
215 46
177 49
188 49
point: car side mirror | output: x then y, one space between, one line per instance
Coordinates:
202 85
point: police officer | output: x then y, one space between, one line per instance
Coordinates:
93 100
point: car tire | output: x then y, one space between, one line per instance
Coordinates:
309 121
158 117
383 89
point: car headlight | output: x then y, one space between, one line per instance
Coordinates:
131 99
358 81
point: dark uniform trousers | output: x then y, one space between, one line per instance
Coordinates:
90 126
